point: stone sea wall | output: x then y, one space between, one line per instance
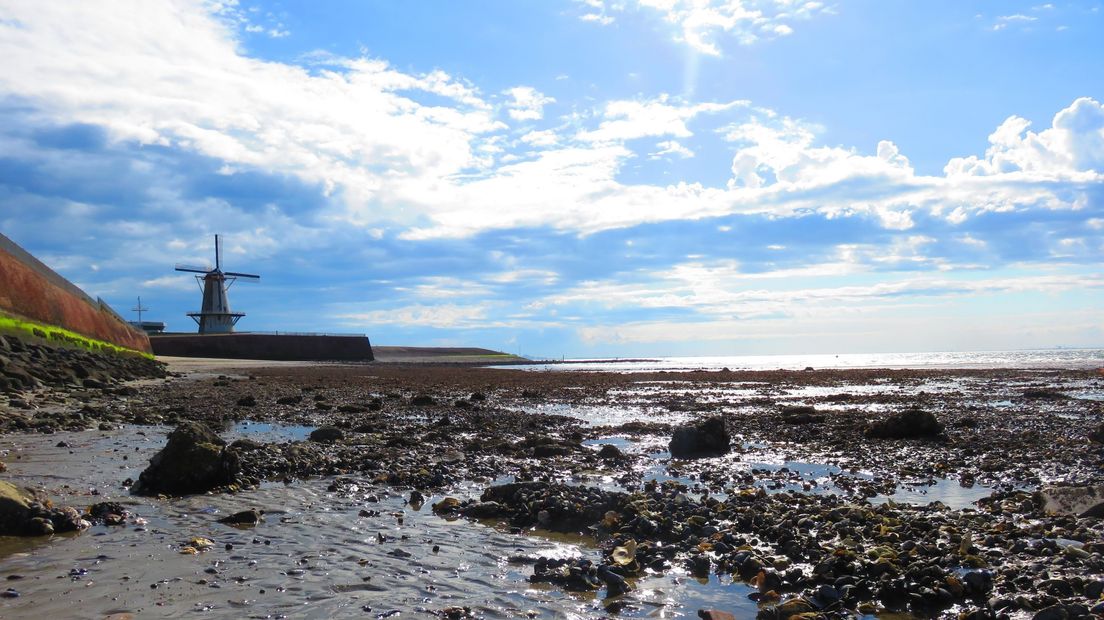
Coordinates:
265 346
30 290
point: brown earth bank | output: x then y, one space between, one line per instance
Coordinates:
807 487
31 290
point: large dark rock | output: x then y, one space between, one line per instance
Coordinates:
908 424
1097 435
706 438
195 460
327 434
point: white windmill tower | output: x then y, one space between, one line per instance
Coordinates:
214 316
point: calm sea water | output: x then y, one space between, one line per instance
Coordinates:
1041 358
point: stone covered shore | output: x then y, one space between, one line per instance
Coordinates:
800 506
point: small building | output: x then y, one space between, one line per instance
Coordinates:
150 327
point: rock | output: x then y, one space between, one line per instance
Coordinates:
247 401
195 460
573 574
422 400
103 511
1097 435
289 400
93 384
547 450
245 517
610 452
1044 393
1083 501
483 510
908 424
706 438
801 414
16 508
615 584
1054 612
246 445
327 434
447 506
715 614
24 512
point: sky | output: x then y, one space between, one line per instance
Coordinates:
576 178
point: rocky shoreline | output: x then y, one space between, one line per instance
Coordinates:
800 507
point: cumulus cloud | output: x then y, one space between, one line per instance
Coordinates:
387 156
1072 147
783 150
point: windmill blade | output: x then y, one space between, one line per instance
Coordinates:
247 276
193 269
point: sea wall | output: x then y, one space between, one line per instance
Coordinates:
30 290
264 346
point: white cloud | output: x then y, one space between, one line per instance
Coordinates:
781 150
174 282
721 291
169 73
629 119
528 103
442 316
699 23
671 147
359 130
1071 147
1004 21
546 137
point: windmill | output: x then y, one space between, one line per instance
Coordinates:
214 316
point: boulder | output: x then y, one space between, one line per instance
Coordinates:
1081 501
327 434
1097 435
801 414
15 508
610 452
1044 393
908 424
24 512
195 460
706 438
245 517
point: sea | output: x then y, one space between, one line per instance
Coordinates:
1031 358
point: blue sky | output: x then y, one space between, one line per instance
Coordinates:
577 178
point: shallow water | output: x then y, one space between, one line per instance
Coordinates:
801 476
314 555
268 433
1041 358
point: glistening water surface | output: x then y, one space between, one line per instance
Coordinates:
318 554
1041 358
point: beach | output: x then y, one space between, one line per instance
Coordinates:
422 490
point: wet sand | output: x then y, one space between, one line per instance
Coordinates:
337 513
